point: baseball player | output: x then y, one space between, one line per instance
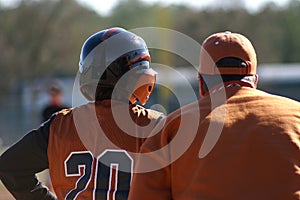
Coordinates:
90 149
236 142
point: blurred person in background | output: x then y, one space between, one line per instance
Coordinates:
55 102
245 145
90 149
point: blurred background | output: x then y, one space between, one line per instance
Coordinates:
40 42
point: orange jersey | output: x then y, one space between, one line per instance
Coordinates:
244 145
91 149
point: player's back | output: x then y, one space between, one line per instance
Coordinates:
248 148
91 149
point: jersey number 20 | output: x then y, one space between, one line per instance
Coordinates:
112 174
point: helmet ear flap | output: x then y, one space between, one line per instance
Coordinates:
87 90
144 87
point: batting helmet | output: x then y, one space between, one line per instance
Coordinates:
107 56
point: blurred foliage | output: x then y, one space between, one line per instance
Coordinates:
43 38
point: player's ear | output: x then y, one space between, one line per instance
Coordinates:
255 80
202 90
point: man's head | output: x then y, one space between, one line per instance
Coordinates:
111 56
226 57
55 93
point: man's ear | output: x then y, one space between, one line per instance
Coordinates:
202 90
255 80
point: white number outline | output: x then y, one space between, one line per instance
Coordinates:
113 165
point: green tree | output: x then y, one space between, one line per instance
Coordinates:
43 38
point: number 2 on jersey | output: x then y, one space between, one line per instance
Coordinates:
113 174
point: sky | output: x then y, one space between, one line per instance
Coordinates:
104 6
